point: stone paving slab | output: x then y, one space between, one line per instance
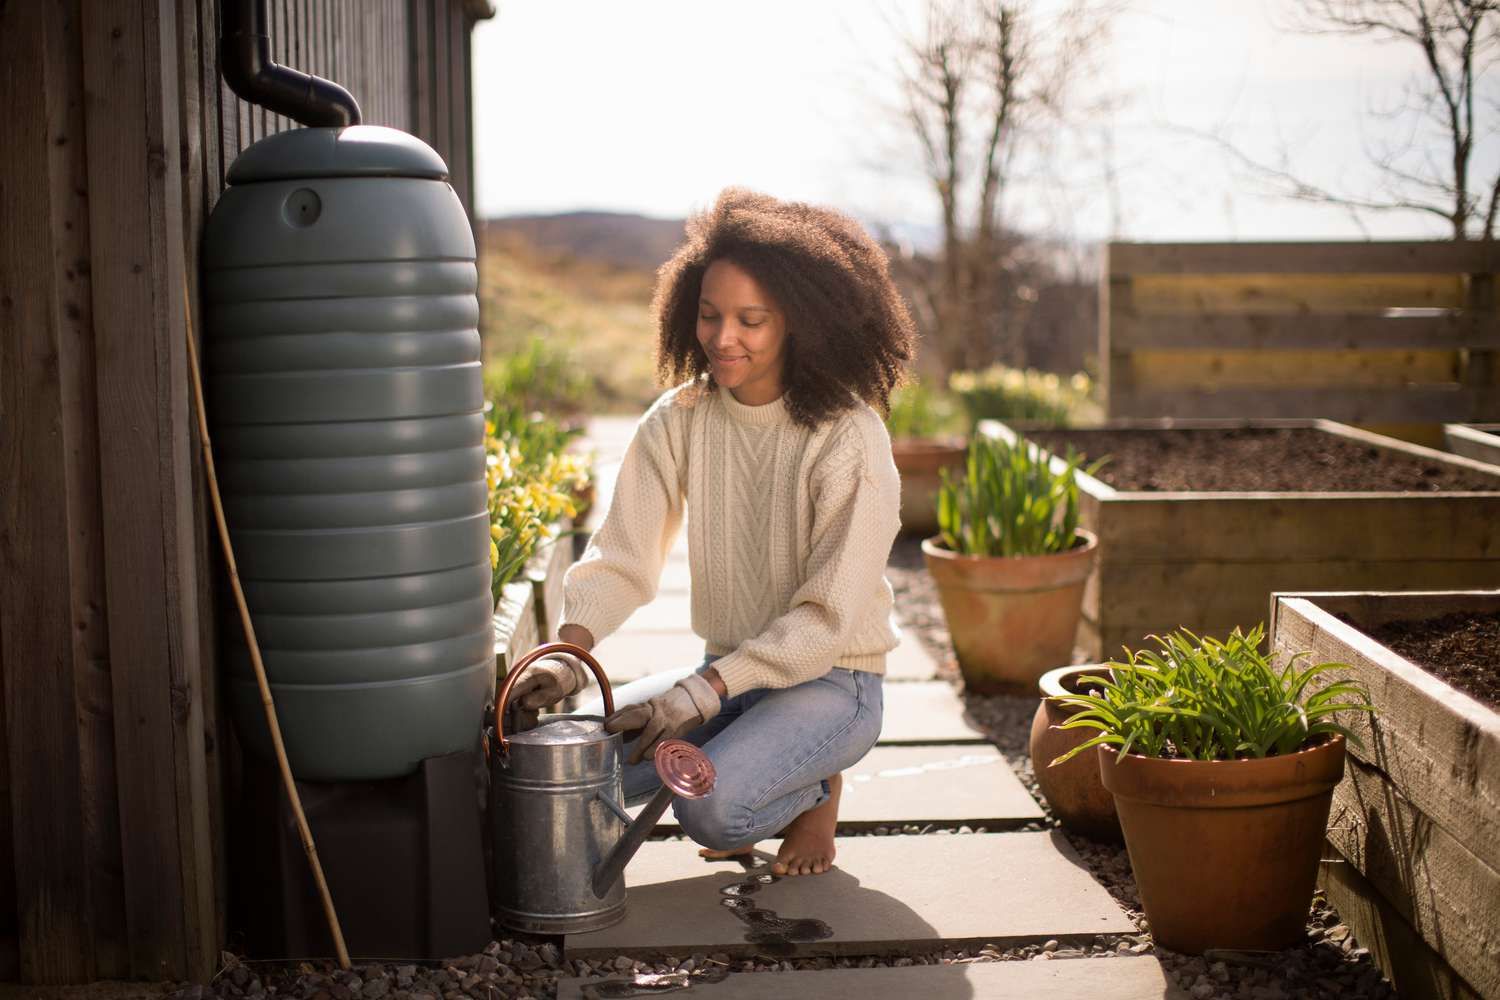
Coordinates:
631 654
957 784
1140 978
885 895
926 712
910 660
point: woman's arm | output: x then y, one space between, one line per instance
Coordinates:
621 568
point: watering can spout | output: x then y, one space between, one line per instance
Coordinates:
684 770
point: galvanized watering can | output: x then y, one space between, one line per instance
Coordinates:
562 836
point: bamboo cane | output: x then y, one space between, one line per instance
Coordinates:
255 659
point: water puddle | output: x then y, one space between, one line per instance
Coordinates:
776 934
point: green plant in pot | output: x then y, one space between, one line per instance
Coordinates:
1222 762
1010 563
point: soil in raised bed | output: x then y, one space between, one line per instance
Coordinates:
1461 649
1257 459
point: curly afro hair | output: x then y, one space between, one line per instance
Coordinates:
848 332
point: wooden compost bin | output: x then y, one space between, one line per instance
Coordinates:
1210 561
1415 825
1480 442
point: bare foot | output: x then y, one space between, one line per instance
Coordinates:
738 852
807 844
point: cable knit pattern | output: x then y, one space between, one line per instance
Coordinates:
789 531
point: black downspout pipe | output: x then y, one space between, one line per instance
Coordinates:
245 60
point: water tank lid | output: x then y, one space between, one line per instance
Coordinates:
356 151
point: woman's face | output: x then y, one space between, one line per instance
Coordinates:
743 332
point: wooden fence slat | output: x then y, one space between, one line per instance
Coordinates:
421 69
130 74
1327 331
1407 404
442 113
1425 257
47 832
457 154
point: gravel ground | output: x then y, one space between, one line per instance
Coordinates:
1330 964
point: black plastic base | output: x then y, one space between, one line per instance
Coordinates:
402 859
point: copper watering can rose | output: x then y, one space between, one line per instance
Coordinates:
562 835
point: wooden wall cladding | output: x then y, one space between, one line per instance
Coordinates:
119 132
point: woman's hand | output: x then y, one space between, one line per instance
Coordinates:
548 681
685 706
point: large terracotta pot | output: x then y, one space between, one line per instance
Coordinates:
1225 852
1012 618
1078 798
920 462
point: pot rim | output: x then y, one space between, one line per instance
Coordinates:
943 442
1223 784
1050 684
935 548
1324 742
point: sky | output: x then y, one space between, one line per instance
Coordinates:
653 107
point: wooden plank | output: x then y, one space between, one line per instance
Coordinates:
458 103
419 13
1438 745
442 94
1479 442
1234 528
1415 970
1343 257
1447 895
151 575
1294 294
1213 370
546 574
1374 608
1324 331
1164 595
1408 404
37 306
515 625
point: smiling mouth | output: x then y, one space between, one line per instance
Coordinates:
720 359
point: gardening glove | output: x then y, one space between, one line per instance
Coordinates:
548 681
685 706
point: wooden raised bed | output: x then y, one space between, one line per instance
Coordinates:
1480 442
1210 560
1415 825
531 604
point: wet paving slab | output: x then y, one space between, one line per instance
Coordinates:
885 895
1105 979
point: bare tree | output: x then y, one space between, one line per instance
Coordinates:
986 81
1459 41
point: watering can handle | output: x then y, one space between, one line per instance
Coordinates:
536 654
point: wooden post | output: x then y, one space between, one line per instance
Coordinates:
1479 369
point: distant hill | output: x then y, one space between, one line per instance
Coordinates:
633 242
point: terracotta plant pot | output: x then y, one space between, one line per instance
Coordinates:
920 462
1225 852
1078 798
1012 618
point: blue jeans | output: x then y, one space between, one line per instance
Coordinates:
772 749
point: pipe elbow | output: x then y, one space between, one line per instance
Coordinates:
246 65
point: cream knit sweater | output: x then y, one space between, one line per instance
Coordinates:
789 531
